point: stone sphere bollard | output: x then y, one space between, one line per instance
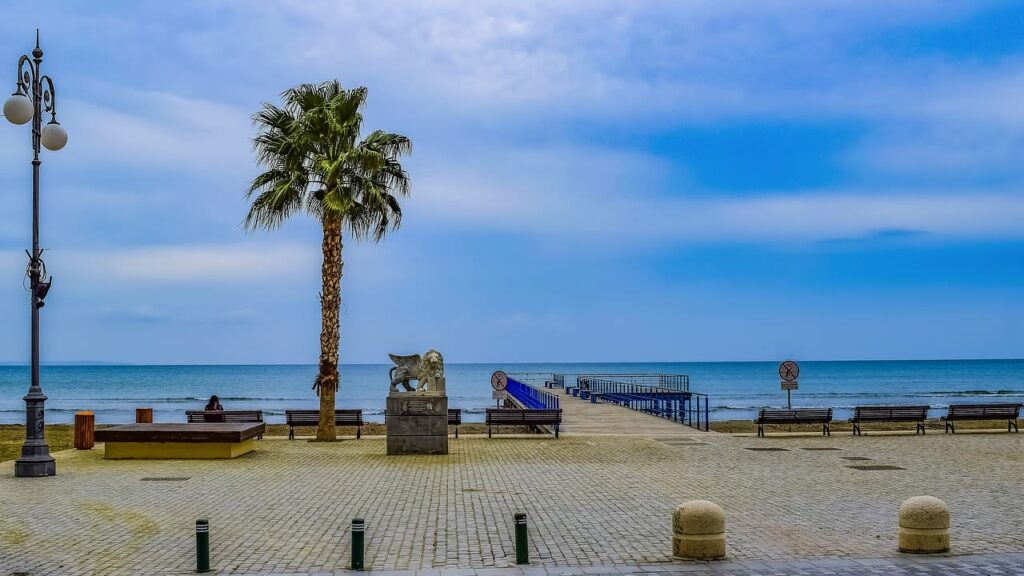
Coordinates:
698 528
924 525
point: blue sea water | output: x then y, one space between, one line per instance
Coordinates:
736 389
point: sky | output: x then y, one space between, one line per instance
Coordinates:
591 181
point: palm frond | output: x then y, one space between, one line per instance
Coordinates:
314 160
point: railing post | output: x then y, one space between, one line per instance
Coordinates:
707 415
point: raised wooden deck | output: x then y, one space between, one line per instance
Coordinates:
174 440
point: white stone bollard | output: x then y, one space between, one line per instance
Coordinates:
698 528
924 525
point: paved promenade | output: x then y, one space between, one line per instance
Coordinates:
595 503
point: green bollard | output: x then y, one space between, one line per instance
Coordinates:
522 544
358 537
202 545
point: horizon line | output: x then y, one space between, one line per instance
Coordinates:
100 363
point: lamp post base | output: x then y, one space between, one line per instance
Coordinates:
35 461
35 466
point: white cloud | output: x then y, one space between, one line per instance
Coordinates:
154 130
194 264
593 193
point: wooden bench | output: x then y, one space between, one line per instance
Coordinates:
455 419
205 416
1008 412
176 440
821 416
312 418
518 417
917 414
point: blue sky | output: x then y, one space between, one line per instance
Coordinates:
592 181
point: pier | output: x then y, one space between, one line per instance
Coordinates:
630 405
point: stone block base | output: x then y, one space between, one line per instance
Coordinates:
924 541
698 546
417 423
176 450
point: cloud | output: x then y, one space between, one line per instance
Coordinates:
203 264
587 193
155 130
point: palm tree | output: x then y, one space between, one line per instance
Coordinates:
315 161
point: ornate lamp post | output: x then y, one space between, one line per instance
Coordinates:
34 96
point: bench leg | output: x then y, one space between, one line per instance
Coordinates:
760 430
1012 423
825 431
456 432
291 433
488 430
920 427
856 429
359 432
556 431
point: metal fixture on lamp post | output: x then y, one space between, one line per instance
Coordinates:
34 96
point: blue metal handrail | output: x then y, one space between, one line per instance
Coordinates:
690 408
530 397
679 382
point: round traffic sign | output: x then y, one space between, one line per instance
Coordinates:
499 380
789 370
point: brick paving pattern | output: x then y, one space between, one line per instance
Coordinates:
594 502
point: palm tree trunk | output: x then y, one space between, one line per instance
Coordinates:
330 309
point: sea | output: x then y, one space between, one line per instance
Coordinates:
735 389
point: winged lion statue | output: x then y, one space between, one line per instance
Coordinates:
427 370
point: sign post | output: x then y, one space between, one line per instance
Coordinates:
788 372
499 382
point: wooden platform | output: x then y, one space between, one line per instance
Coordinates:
173 440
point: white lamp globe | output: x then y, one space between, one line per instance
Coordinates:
18 109
54 137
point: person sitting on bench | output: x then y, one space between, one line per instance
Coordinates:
214 403
214 406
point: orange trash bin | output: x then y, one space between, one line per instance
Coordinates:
85 428
143 415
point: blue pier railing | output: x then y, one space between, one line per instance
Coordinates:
540 379
678 405
679 382
530 397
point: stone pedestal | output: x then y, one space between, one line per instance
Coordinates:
417 423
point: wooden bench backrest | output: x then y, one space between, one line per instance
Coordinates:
224 415
516 416
454 416
312 417
996 411
890 412
795 415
